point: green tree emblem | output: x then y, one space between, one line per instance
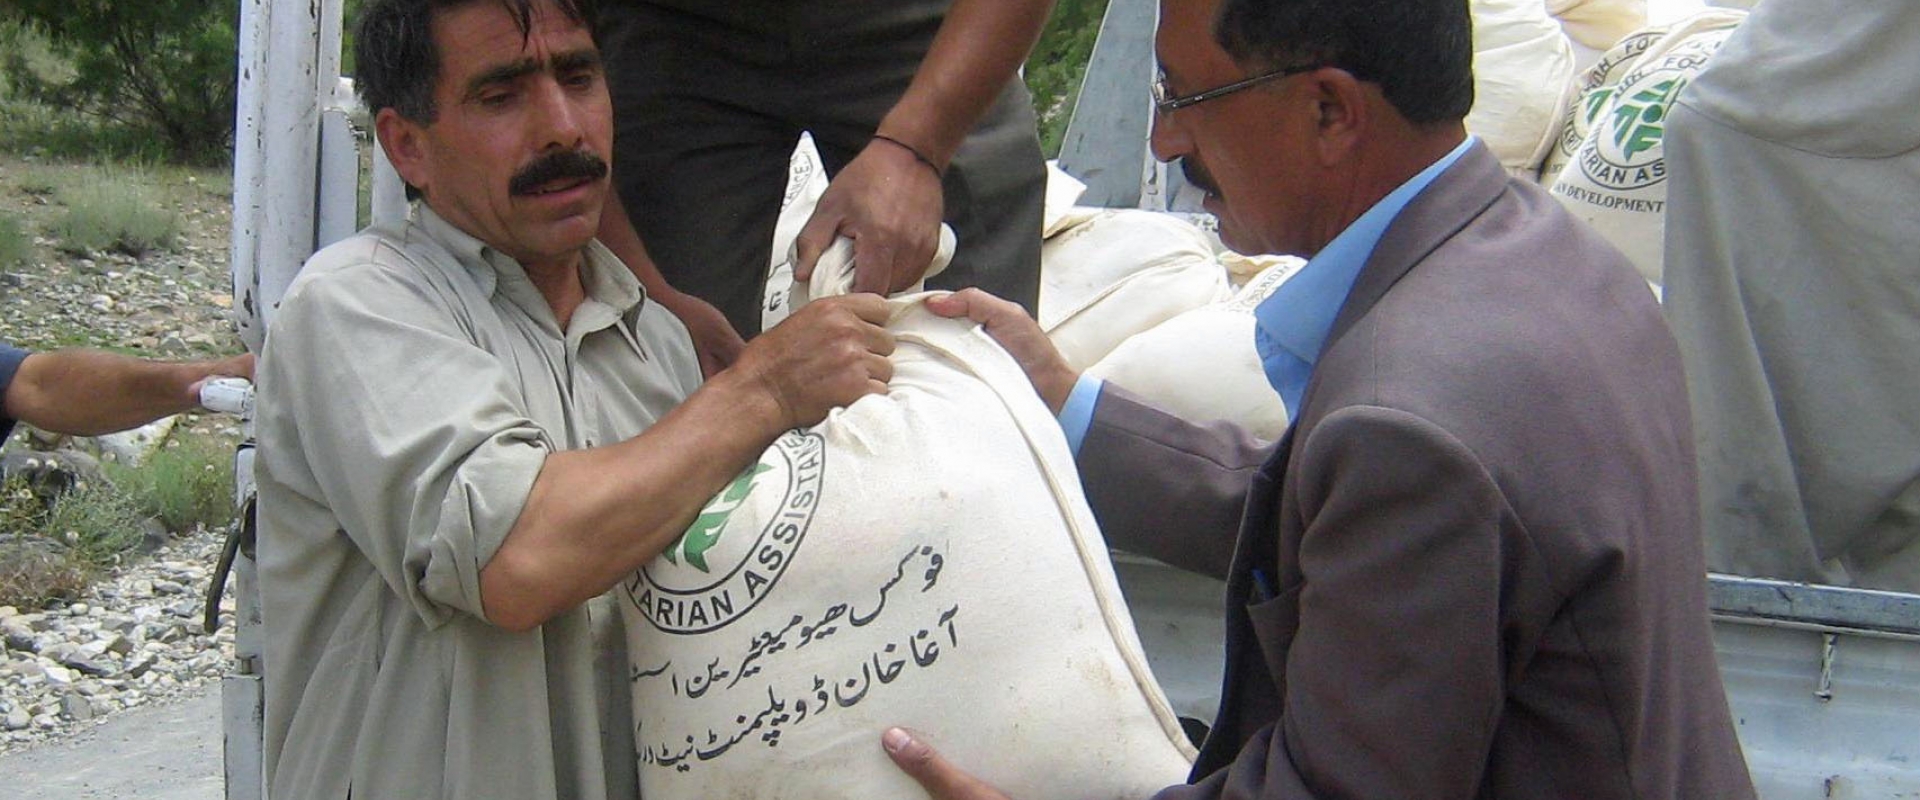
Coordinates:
705 530
1640 120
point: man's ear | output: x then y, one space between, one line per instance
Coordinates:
1342 112
405 143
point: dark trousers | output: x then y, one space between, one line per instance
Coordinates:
708 109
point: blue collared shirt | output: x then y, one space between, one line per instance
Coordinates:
1291 325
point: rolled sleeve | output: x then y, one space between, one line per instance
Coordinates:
10 358
413 436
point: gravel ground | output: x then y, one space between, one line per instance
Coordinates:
134 640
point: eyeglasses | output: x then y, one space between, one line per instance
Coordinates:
1165 102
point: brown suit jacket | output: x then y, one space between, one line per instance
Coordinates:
1472 568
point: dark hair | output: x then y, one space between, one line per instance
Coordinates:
1420 52
396 59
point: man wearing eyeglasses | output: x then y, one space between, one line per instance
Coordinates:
1472 566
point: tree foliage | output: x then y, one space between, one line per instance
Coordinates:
1057 63
165 68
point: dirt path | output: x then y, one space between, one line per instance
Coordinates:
166 752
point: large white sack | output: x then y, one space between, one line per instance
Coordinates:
1119 272
1522 74
1202 365
1609 168
1058 211
924 558
1599 24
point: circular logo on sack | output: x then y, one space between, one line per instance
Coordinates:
739 545
1628 121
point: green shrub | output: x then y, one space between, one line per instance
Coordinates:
15 244
160 69
34 573
1058 61
47 554
113 212
96 522
33 128
186 483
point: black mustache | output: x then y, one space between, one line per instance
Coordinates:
556 166
1198 176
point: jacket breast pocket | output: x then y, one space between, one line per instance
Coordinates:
1274 623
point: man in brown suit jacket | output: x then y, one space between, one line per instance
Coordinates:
1472 567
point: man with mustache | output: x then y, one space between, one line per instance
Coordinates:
474 423
1472 567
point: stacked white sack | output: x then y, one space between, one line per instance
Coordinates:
1201 366
1110 274
1598 24
1522 72
1610 167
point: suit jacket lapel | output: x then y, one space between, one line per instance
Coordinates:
1246 688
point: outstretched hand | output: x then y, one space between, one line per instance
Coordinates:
939 777
1020 335
889 204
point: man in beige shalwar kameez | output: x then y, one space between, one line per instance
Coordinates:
473 423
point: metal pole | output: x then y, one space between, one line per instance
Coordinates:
1105 144
288 57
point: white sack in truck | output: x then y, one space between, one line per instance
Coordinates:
1522 73
923 558
1115 273
1202 366
1610 167
1599 24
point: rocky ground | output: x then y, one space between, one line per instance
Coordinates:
136 638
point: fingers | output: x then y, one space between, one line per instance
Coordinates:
885 262
869 308
814 238
934 773
873 265
710 364
976 305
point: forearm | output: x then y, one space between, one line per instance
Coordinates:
90 392
595 516
978 49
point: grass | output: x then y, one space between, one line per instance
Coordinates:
115 212
51 552
15 244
